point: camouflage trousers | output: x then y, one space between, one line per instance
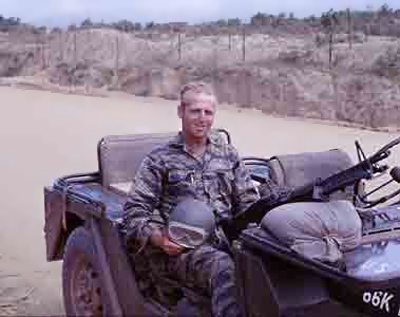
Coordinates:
206 268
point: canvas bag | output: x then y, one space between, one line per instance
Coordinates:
317 230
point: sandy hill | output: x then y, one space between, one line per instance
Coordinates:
287 75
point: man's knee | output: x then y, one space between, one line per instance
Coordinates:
208 262
222 269
223 262
218 259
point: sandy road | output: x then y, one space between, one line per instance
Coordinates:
45 135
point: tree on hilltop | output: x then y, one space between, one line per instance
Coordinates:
124 26
259 19
234 22
10 21
72 27
56 30
222 22
87 23
385 10
149 25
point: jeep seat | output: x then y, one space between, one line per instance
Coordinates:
296 170
120 156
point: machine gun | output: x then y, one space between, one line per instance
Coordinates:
319 190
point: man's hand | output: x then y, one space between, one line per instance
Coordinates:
160 240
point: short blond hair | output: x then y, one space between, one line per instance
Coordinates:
194 91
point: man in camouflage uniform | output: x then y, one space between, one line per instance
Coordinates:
196 163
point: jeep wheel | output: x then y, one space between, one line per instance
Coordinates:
80 277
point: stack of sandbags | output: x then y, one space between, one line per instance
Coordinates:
317 230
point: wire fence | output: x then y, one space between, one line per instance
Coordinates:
98 46
289 75
86 46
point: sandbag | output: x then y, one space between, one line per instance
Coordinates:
317 230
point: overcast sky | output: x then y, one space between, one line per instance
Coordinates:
63 12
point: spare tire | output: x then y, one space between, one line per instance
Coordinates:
81 281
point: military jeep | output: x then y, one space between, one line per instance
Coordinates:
83 214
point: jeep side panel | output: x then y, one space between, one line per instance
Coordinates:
54 229
272 287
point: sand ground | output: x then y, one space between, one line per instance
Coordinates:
45 135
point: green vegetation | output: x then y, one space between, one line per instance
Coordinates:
383 21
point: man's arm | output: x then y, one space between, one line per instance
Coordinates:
144 198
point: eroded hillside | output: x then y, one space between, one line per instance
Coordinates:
287 75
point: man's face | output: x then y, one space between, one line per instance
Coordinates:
197 118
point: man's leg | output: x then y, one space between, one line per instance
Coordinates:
212 270
148 263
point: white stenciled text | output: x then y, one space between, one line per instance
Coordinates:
378 299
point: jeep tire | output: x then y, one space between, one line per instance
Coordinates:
81 281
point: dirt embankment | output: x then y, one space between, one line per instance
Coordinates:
282 75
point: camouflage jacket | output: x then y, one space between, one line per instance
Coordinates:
170 173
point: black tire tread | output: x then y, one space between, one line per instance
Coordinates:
79 242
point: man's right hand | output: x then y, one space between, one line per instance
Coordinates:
163 242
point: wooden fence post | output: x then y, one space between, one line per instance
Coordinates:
179 46
75 50
61 46
75 59
42 48
244 43
116 60
350 28
330 49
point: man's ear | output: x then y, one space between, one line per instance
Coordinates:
180 111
